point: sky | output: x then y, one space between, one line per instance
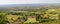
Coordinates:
28 1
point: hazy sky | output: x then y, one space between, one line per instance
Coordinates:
28 1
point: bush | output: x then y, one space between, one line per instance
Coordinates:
3 19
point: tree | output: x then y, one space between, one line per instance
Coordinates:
3 19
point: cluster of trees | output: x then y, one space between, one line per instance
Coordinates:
3 18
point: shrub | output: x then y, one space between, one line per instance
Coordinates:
3 19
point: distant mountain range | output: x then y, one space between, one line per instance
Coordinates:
9 7
16 5
29 5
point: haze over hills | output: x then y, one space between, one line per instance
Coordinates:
20 5
27 6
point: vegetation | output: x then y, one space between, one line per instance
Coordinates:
41 15
3 18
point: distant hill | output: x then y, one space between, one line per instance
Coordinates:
8 7
24 5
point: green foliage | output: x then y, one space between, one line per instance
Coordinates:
32 23
3 19
41 15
